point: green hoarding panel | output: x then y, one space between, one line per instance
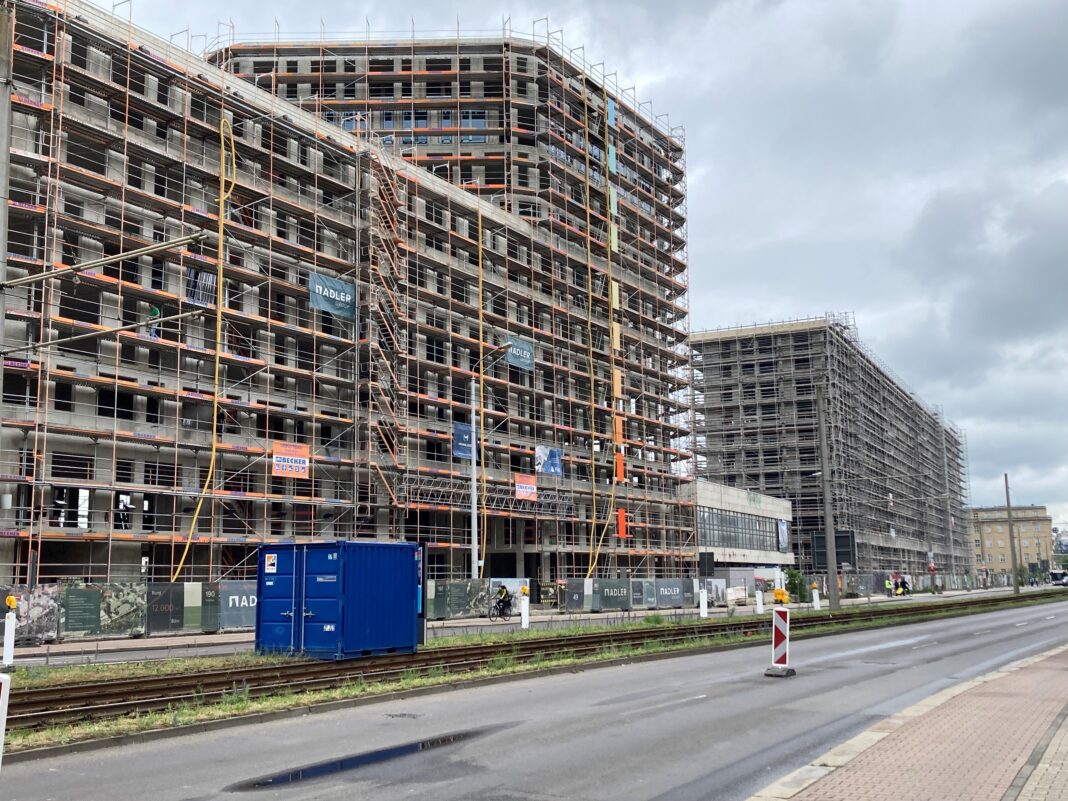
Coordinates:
579 595
669 594
643 594
437 607
611 594
166 607
82 607
210 603
467 598
237 604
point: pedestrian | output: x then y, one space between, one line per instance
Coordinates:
905 589
897 587
889 588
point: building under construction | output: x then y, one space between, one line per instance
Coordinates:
229 318
895 468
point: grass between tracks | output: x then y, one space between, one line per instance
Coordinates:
239 703
40 676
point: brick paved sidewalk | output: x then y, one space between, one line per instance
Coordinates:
1002 737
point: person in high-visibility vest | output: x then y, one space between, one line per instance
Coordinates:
889 587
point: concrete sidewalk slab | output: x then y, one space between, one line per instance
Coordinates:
1000 737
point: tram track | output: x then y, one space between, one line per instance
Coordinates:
71 703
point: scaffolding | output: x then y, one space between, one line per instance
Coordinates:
523 121
898 468
109 446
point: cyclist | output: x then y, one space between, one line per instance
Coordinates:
504 599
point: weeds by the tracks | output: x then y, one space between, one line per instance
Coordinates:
40 676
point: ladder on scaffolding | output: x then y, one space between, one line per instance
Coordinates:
387 307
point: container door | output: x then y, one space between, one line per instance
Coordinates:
322 601
278 608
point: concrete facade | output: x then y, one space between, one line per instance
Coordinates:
1033 531
741 528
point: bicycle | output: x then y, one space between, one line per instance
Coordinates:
500 609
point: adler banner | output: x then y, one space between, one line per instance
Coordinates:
520 354
331 295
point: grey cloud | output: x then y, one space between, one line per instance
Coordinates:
861 33
1022 294
1018 52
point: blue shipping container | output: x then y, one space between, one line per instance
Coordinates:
336 600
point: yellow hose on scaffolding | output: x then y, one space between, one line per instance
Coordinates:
595 551
604 529
226 188
481 401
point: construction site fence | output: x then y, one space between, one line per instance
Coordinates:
460 598
605 595
738 587
70 610
865 585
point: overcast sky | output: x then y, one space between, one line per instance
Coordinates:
904 161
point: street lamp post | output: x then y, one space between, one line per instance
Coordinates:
476 437
831 551
474 479
1012 540
476 433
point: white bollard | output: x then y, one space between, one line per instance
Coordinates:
760 602
9 639
704 603
816 600
5 694
524 611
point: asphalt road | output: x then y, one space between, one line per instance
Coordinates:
697 727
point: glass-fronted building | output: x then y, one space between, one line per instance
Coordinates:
742 528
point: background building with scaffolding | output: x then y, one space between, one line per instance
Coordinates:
897 469
287 319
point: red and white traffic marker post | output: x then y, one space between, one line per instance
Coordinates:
780 644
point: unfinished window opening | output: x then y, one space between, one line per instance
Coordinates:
87 154
117 404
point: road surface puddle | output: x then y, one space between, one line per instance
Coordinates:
320 769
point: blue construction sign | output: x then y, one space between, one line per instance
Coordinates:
548 460
462 440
